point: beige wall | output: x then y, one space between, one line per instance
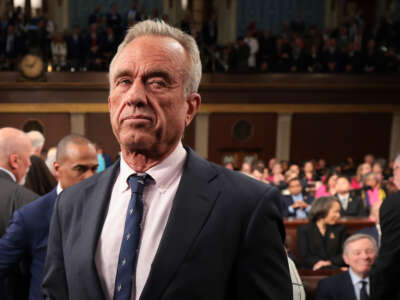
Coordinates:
226 15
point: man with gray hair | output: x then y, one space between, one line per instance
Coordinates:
37 140
359 252
386 270
15 151
39 179
163 223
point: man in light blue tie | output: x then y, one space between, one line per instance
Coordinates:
296 204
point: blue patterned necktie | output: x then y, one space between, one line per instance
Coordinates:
363 291
130 241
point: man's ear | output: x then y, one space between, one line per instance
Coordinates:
193 101
56 166
13 161
345 258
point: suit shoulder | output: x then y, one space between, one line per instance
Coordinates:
333 281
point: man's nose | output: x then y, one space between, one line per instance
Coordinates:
136 95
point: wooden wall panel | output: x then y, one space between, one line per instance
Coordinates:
98 130
337 136
55 125
222 140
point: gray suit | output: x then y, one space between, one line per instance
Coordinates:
223 239
12 197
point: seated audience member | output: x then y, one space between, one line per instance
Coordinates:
309 174
296 204
362 170
369 159
377 168
356 181
359 253
246 168
295 169
276 178
351 204
319 242
374 231
328 185
258 173
372 192
39 179
28 230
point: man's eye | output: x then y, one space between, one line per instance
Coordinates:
123 82
156 84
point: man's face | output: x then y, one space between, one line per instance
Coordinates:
79 163
147 106
360 255
342 185
295 187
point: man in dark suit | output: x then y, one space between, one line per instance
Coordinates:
374 231
28 231
296 204
15 152
359 252
194 230
351 205
386 270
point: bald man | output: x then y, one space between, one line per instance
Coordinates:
28 232
15 152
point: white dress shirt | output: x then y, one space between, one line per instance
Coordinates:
157 202
357 283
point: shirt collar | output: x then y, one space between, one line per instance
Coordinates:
9 173
59 188
357 279
162 173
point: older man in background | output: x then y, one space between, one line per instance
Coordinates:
15 152
27 234
39 178
359 253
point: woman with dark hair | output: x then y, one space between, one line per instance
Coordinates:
319 243
39 178
328 184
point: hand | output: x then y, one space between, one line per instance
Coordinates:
300 204
320 264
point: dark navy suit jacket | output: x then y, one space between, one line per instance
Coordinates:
336 287
26 236
223 239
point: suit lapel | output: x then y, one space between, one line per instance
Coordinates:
348 289
94 210
192 204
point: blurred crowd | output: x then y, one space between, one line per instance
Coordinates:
353 47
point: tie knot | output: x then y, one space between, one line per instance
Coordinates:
364 283
137 182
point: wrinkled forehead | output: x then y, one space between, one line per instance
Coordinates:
151 51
